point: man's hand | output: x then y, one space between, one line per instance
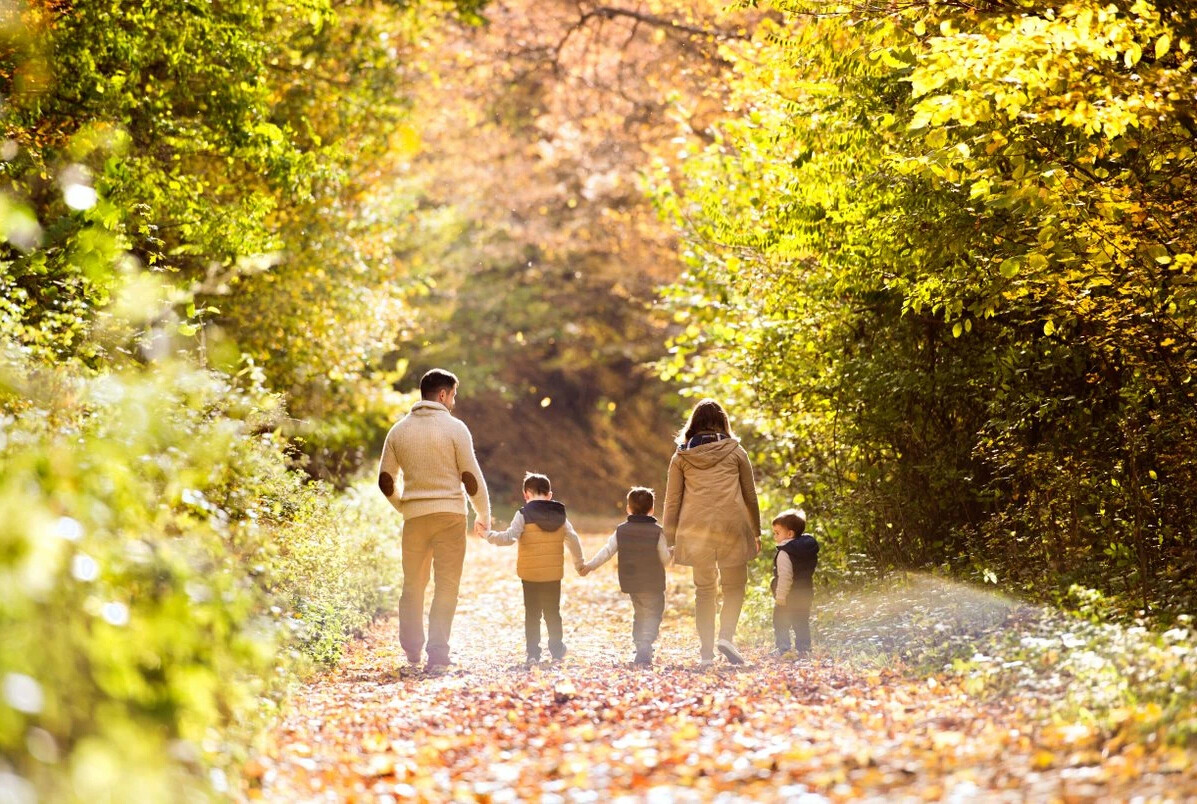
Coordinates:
480 528
583 570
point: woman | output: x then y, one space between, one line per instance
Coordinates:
713 521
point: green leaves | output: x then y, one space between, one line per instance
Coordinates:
157 548
175 196
1033 181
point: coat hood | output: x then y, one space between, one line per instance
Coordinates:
427 407
707 455
545 514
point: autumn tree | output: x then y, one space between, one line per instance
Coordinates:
188 245
945 255
536 132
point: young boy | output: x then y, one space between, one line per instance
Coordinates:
643 557
543 532
793 581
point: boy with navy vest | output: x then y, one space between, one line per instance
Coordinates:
643 557
543 532
793 581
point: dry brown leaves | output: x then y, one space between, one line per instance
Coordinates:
594 725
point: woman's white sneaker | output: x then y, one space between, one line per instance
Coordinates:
729 650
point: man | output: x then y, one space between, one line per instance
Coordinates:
426 461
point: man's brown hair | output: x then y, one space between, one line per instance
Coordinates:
435 381
640 500
792 520
537 484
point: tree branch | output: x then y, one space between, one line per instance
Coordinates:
612 12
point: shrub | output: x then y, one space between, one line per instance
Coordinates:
162 574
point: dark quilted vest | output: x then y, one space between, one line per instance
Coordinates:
804 556
640 567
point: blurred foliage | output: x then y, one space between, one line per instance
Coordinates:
563 104
941 260
264 189
160 567
198 244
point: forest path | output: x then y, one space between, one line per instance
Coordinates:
594 727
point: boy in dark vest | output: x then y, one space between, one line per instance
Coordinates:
543 532
793 581
643 557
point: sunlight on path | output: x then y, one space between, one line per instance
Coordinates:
593 727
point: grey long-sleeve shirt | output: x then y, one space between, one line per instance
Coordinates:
785 577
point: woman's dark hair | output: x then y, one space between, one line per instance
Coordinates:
708 416
433 382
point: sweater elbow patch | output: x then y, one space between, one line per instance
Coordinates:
386 484
471 483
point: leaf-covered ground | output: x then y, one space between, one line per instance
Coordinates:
593 726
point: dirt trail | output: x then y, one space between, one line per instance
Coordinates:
593 727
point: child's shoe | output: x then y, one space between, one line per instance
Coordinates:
559 653
643 658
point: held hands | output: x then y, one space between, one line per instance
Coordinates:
481 528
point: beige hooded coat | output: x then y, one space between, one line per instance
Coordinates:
711 511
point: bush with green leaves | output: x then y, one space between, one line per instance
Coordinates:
198 208
163 573
941 260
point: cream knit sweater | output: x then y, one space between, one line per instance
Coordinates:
430 455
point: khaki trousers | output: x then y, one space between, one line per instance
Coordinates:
433 544
733 581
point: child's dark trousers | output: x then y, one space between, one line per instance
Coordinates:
543 599
793 616
647 610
